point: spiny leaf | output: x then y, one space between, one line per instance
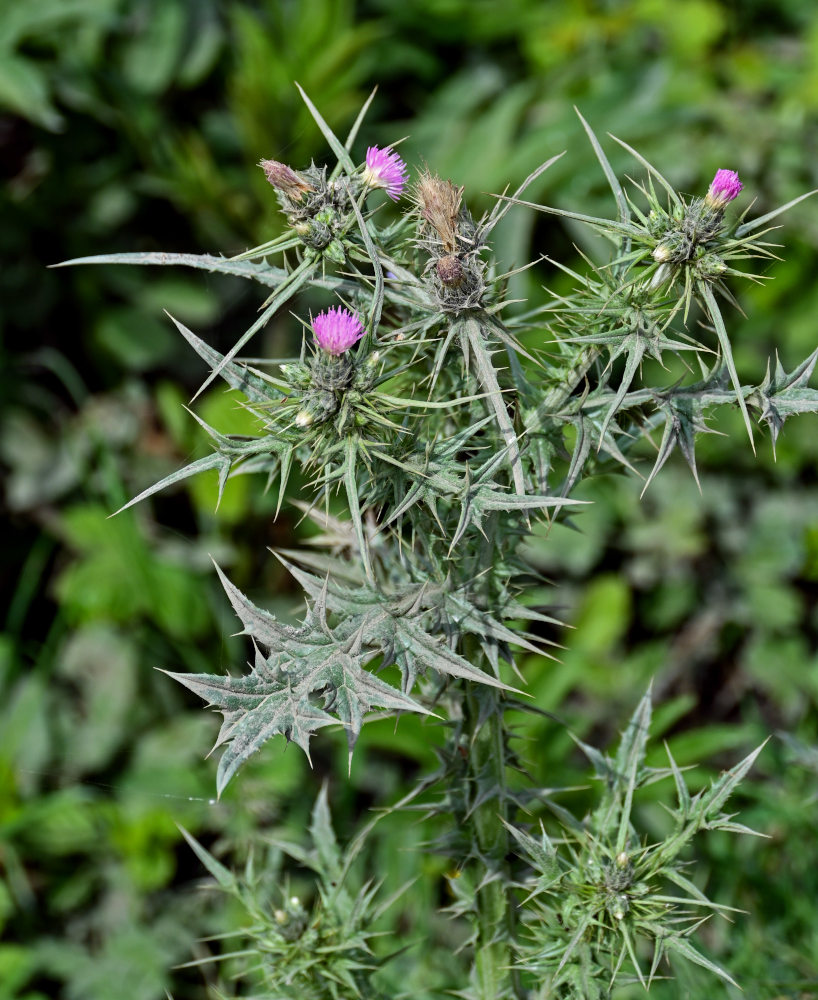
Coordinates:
263 273
333 140
478 621
684 883
259 624
254 712
721 790
352 692
783 394
214 461
631 750
377 298
285 291
682 792
479 500
323 836
256 388
684 419
498 213
432 653
623 930
714 313
629 759
359 120
674 197
582 925
305 666
396 624
542 854
488 379
607 226
351 486
748 227
603 765
277 697
613 181
635 350
226 879
229 451
681 945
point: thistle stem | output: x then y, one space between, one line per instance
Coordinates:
484 726
483 718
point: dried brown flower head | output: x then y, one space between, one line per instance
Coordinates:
285 179
439 205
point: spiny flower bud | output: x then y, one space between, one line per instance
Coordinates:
334 251
367 372
296 375
385 169
725 187
450 271
315 233
619 906
710 265
285 179
337 330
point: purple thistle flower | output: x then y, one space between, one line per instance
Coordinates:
725 187
336 330
385 169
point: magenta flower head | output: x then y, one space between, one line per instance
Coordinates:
385 169
336 330
725 187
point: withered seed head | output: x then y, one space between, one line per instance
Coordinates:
439 205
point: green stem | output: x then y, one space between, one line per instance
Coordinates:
495 910
484 727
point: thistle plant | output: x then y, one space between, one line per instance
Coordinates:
438 423
311 953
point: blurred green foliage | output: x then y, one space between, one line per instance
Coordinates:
136 124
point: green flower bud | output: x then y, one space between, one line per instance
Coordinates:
618 906
367 371
711 266
296 375
335 252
